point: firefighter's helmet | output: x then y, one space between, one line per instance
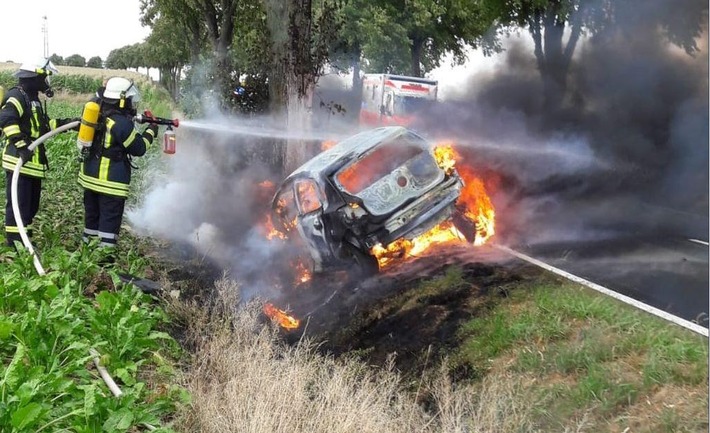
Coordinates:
42 66
122 91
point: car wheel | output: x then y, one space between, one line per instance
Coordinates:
465 226
365 264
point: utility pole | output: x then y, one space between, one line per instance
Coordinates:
45 32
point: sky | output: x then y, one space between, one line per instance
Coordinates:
89 28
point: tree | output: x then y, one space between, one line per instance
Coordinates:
95 62
411 36
57 59
75 60
213 18
300 36
116 59
557 25
165 50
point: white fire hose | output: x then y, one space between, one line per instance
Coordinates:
16 206
115 390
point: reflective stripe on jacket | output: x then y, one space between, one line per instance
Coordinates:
23 120
108 169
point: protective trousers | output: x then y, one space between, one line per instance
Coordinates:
29 190
102 217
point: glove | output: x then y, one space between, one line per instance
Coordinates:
153 128
24 153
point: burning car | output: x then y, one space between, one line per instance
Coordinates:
368 191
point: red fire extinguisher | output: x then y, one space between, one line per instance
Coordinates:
169 141
168 136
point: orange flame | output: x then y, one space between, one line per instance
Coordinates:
281 317
478 206
405 248
474 199
327 144
303 274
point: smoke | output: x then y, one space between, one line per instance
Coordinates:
625 149
213 196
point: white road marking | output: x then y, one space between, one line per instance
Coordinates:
623 298
698 241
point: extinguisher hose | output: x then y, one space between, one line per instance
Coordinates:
15 204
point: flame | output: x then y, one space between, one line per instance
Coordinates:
478 206
281 317
303 274
404 248
327 144
445 157
474 199
269 231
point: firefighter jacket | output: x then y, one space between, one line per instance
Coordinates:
107 168
23 120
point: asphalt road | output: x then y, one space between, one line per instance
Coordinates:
669 272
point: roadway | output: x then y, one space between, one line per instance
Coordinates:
667 269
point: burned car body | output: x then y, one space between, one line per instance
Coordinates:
373 188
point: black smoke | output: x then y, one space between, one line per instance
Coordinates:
625 149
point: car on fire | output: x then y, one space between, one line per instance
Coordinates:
373 188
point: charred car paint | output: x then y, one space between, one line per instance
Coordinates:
375 187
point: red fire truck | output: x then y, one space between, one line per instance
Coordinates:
394 99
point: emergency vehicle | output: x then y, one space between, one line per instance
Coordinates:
394 99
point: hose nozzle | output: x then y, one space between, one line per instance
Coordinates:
147 117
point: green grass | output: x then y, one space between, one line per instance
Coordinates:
589 354
49 323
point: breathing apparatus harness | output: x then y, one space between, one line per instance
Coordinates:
94 117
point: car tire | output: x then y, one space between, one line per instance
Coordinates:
365 264
465 226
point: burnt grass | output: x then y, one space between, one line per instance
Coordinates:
410 313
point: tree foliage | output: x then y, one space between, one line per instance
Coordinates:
57 59
409 36
75 60
95 62
557 25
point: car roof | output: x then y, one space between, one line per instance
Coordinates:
332 159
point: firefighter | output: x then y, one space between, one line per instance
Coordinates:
23 119
106 171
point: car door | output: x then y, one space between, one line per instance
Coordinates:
310 202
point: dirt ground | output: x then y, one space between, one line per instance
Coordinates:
412 311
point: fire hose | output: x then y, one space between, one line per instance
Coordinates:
15 204
115 390
146 117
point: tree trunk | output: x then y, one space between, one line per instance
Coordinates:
300 83
417 46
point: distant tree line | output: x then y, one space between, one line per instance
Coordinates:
77 60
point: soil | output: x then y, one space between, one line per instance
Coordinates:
401 314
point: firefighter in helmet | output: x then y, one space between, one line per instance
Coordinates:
106 170
23 119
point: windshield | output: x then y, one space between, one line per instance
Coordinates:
376 165
410 104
